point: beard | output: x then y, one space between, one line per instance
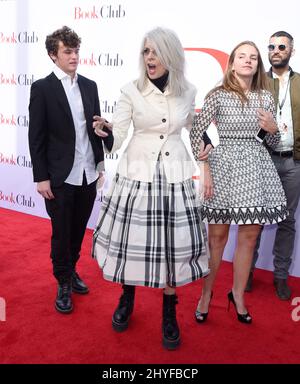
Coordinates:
282 63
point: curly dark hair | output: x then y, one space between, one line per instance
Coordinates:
64 34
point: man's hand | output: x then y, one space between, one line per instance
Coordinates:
43 188
99 124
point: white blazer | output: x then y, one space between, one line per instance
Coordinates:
158 119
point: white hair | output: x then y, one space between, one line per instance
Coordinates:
171 55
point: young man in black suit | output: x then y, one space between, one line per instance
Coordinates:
67 156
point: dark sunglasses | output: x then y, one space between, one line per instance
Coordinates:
281 47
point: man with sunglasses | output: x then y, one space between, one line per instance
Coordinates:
285 87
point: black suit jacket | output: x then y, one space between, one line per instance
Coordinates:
51 128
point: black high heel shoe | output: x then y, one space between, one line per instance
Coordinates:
201 317
243 318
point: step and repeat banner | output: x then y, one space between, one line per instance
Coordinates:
111 33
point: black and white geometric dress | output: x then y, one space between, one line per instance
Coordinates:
247 188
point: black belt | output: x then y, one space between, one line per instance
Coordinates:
282 153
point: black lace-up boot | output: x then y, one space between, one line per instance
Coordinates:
63 302
123 311
171 335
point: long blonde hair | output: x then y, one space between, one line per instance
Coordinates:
230 82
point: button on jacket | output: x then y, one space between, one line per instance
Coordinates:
158 119
52 134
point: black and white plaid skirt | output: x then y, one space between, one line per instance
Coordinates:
151 234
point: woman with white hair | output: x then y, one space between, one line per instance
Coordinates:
150 231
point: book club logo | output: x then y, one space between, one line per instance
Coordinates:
24 37
19 199
103 59
13 120
20 160
106 11
21 79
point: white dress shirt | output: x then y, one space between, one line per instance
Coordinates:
84 156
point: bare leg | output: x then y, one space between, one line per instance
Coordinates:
247 236
217 237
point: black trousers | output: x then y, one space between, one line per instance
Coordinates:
69 212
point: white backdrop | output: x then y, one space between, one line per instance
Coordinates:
111 33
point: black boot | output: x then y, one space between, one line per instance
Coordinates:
283 291
78 285
122 314
171 335
63 302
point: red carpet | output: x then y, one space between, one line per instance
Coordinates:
35 333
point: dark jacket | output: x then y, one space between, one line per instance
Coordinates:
295 101
52 131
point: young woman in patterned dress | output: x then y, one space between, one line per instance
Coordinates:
150 231
241 182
